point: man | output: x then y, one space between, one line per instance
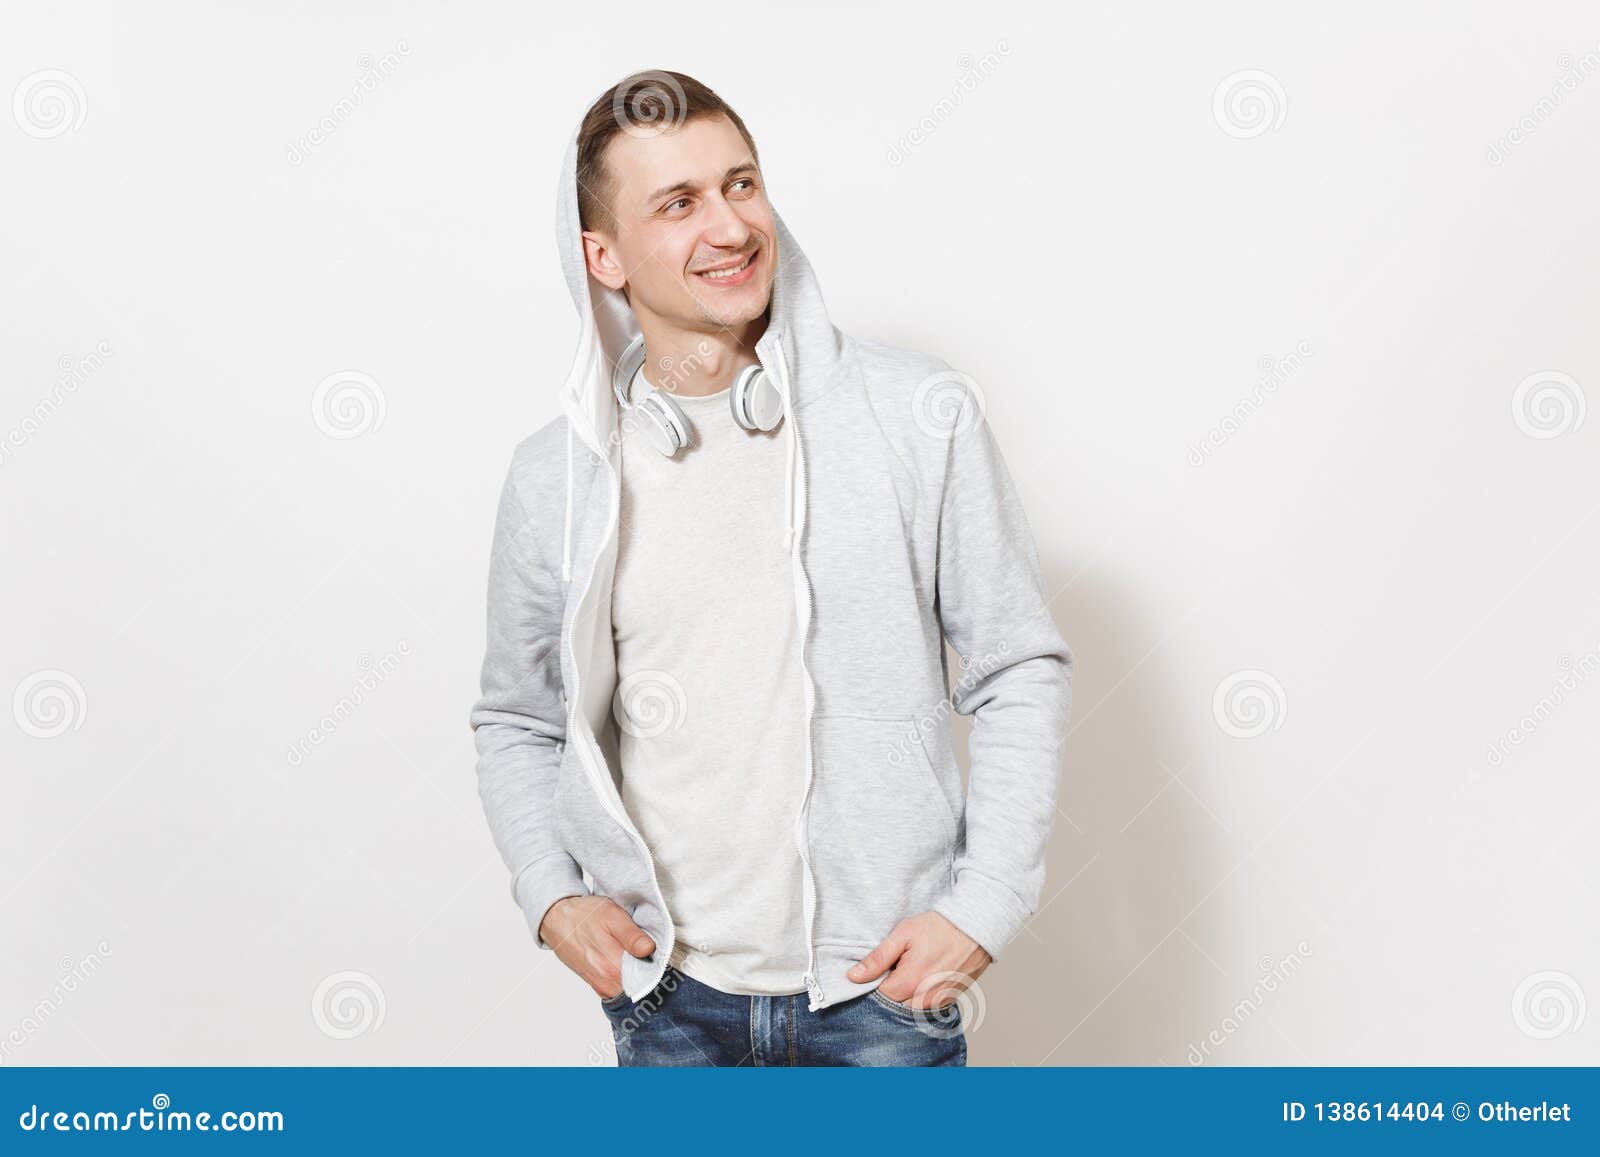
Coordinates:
719 594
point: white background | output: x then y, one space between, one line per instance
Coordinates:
1084 231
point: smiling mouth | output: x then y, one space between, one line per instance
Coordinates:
734 273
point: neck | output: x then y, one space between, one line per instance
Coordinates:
694 363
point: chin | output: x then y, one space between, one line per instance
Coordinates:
738 312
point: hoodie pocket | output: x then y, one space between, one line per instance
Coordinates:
880 830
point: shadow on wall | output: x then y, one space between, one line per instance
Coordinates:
1105 974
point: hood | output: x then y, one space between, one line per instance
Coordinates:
800 344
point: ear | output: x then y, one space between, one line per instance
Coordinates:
603 267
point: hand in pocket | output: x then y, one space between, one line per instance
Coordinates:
590 934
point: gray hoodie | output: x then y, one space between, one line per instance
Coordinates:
906 530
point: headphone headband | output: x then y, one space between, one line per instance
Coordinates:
754 401
630 363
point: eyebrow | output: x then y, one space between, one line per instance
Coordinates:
690 186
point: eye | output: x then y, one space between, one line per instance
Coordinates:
671 206
745 184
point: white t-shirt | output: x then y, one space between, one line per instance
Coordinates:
710 704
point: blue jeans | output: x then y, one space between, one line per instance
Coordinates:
684 1022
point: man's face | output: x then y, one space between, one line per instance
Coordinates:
695 242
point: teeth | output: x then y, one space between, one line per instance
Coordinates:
718 274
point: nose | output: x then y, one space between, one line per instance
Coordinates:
724 228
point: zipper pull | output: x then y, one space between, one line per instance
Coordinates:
814 988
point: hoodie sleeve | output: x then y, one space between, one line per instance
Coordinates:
1015 682
519 722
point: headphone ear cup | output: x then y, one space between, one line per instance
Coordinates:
664 422
755 401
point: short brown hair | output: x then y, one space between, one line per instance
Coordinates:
650 100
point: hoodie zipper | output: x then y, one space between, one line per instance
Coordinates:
803 601
586 755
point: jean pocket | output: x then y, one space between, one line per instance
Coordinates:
877 997
941 1022
612 1003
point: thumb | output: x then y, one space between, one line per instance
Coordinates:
881 958
633 938
637 941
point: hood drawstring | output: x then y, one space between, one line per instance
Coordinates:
789 468
566 530
788 498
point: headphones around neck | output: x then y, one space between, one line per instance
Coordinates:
754 400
